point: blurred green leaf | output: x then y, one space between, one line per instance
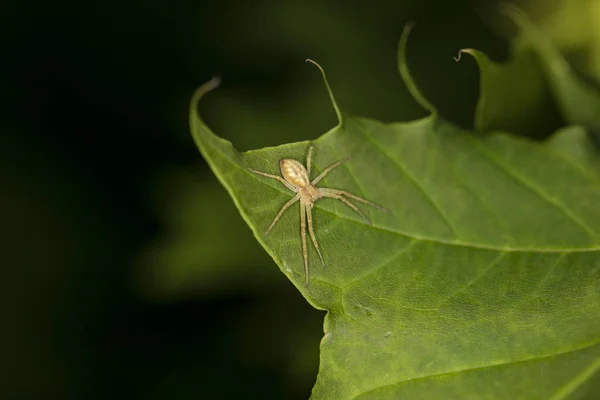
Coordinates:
482 282
578 101
517 96
514 96
572 26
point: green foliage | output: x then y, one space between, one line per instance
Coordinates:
579 102
483 281
514 96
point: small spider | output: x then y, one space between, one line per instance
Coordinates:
297 179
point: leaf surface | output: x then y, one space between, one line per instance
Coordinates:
482 282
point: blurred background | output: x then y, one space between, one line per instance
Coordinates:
126 270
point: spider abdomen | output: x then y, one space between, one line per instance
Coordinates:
294 172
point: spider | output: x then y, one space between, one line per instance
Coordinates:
297 178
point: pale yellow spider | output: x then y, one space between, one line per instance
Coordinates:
297 179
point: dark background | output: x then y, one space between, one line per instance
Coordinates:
126 270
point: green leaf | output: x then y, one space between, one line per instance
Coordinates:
519 95
483 281
578 101
514 96
572 28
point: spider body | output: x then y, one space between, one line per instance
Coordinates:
297 178
294 172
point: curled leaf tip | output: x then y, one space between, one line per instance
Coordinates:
408 27
196 124
405 72
207 87
202 90
461 51
338 112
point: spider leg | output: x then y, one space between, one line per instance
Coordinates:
325 193
308 160
280 179
303 235
312 233
328 170
285 206
344 193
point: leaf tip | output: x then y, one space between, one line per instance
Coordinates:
201 91
338 112
458 56
469 51
405 72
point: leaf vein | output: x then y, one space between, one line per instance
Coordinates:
528 184
483 367
483 273
577 381
413 180
380 265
